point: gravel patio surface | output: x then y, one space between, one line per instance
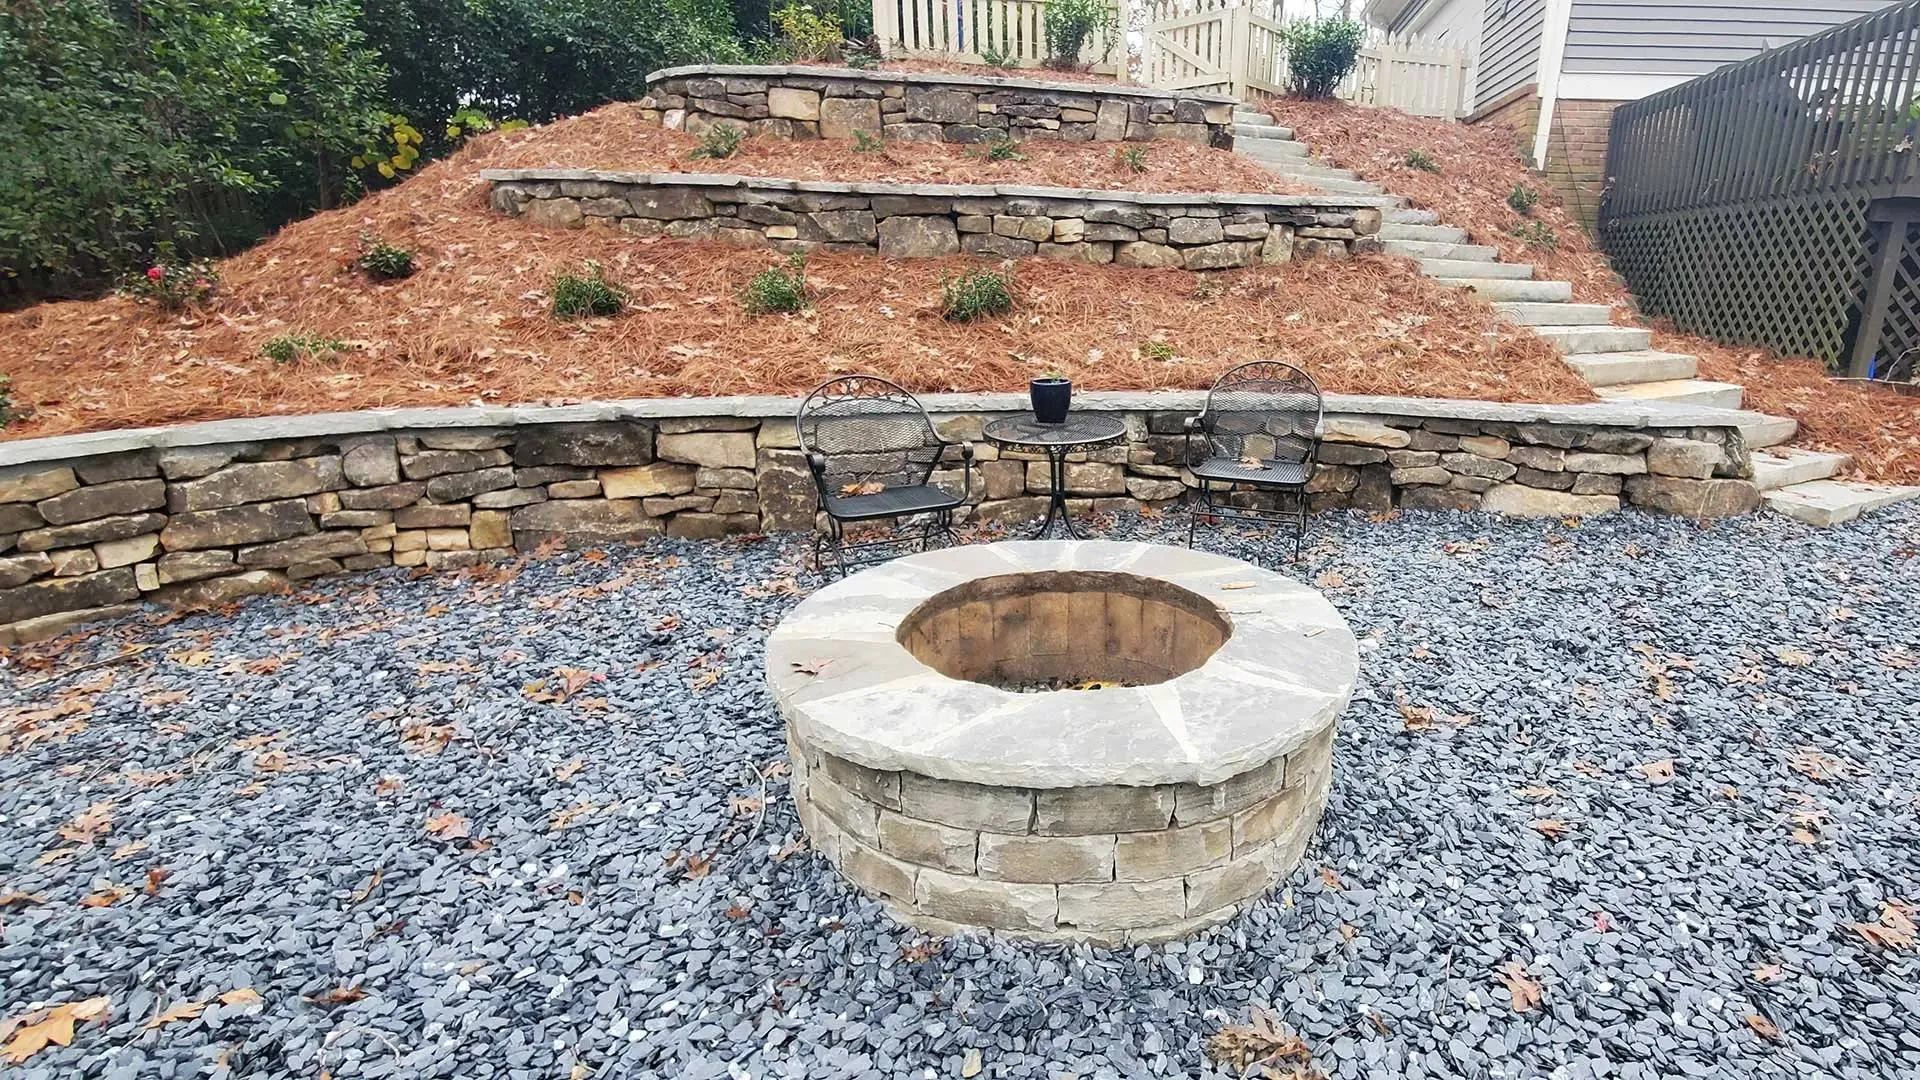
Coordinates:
533 822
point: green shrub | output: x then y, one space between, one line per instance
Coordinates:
774 290
864 53
995 56
1133 157
288 348
805 34
1158 351
382 261
976 293
863 143
1420 159
1523 199
1069 25
575 295
1003 148
1320 52
1537 235
171 283
719 141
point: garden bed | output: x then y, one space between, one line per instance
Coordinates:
616 137
1479 167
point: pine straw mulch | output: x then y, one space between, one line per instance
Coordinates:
472 325
615 137
1480 166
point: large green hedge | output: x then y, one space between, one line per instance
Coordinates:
126 125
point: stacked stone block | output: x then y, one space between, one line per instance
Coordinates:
88 533
834 103
1115 865
1199 231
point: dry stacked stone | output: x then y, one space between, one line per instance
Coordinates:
1116 865
1199 231
835 103
86 534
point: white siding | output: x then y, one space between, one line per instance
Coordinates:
1458 23
1691 37
1509 47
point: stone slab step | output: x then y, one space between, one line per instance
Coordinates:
1596 339
1717 395
1500 289
1264 150
1435 234
1459 268
1325 184
1265 132
1413 217
1785 466
1830 502
1759 430
1426 249
1643 366
1554 314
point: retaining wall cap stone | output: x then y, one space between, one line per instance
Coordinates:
935 78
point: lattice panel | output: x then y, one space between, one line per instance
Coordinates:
1901 330
1786 273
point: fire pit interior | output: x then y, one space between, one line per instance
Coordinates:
946 759
1064 627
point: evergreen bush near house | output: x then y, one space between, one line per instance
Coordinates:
1320 52
775 290
588 293
976 293
1068 25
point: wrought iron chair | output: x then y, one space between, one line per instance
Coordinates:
1260 429
872 449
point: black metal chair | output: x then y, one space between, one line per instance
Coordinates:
1259 433
872 449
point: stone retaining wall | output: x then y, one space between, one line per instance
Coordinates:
1118 865
1203 231
200 514
833 103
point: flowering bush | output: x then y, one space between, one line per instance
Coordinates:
173 284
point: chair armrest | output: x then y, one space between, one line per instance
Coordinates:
1194 426
817 462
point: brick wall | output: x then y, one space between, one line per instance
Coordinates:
1519 111
1577 155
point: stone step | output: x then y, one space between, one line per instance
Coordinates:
1459 268
1243 129
1554 314
1414 217
1717 395
1830 502
1596 339
1785 466
1426 249
1325 184
1264 151
1433 234
1643 366
1758 430
1498 289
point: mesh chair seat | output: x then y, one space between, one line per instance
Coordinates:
1269 471
893 502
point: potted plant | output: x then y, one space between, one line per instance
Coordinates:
1051 394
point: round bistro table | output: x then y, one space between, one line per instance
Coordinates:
1080 432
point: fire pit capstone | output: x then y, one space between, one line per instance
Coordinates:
945 758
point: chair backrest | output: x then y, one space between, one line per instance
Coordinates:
869 431
1263 409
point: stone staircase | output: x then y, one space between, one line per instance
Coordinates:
1619 362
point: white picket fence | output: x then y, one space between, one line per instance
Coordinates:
1414 76
978 32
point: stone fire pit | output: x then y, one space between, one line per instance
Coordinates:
946 758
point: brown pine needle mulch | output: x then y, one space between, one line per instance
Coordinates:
1480 166
614 137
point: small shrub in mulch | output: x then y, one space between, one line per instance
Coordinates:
1157 351
864 143
719 141
1537 235
382 261
586 294
1420 159
288 348
1132 157
1522 199
976 293
171 283
775 290
1004 149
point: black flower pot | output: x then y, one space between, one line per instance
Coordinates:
1051 397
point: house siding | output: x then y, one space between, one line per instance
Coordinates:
1509 47
1689 37
1456 23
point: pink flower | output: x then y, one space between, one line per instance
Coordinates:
155 273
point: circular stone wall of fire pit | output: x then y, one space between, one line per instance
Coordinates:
1063 740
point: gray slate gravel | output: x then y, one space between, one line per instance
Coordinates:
525 950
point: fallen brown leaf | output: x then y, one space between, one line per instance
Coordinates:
1525 992
448 826
106 897
186 1010
1262 1040
1658 772
245 995
1764 1028
1894 931
1551 828
53 1028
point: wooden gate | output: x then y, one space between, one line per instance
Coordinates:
1214 46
